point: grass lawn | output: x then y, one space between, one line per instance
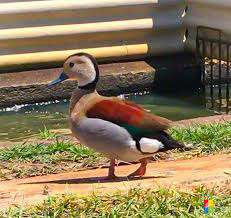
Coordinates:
134 203
208 138
59 156
39 159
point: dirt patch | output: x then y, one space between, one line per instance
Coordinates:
208 171
203 120
15 169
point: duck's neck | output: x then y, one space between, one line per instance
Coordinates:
76 95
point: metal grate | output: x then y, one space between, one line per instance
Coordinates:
214 56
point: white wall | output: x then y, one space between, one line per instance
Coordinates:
43 33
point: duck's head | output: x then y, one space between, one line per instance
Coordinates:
81 67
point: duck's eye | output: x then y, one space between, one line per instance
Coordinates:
71 64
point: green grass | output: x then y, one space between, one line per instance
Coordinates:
46 134
59 156
32 160
208 138
45 152
134 203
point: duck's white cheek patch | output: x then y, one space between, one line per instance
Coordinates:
150 145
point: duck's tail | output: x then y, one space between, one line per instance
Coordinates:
168 142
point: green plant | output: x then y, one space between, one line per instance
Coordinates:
46 134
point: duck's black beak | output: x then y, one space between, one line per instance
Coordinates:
60 79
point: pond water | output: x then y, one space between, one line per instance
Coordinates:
23 121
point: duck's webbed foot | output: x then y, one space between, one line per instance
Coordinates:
141 170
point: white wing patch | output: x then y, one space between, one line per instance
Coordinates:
150 145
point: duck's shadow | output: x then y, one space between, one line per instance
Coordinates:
92 180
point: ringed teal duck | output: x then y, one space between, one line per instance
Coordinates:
117 128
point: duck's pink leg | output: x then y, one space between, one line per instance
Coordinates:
111 171
141 170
